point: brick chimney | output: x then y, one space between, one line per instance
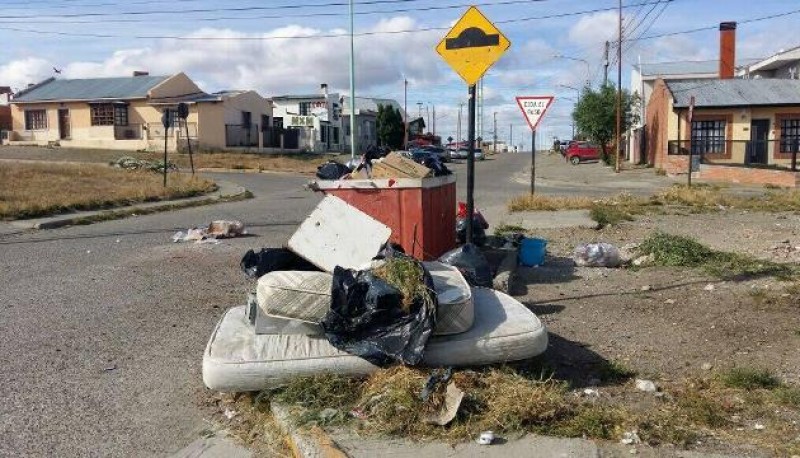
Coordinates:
727 50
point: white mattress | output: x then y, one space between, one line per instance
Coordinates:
456 310
236 359
304 296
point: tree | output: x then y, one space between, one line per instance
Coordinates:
595 115
390 127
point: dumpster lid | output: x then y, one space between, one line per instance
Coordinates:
385 183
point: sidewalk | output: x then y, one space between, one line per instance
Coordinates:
226 191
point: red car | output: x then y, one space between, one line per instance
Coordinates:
578 152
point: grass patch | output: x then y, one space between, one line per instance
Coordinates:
788 396
595 421
606 215
504 229
320 391
539 202
27 190
614 372
295 163
408 276
748 378
680 251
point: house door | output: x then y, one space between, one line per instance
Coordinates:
63 124
759 135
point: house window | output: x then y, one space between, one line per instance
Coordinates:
323 134
120 115
102 114
790 135
277 122
305 108
708 137
35 119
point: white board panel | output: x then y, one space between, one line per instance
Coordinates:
338 234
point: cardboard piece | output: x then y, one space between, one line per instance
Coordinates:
396 166
447 412
338 234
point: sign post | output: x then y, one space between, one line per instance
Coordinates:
691 156
183 113
472 46
534 108
166 121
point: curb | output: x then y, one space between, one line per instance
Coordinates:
312 443
237 193
251 171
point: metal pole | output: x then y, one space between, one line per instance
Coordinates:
470 161
510 137
494 141
353 136
166 131
189 144
405 113
458 125
605 64
619 93
533 161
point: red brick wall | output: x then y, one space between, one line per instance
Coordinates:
783 178
675 165
5 118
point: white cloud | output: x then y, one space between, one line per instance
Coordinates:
19 73
271 66
592 31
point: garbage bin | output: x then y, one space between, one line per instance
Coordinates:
421 212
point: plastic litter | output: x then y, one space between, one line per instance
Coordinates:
596 255
532 252
367 319
332 170
256 264
486 438
630 438
220 229
437 377
472 264
435 164
646 385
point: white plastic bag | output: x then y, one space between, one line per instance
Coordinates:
596 255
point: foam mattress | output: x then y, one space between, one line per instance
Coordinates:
236 359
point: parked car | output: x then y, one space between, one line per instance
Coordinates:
443 154
418 155
578 152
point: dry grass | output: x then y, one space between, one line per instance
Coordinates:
698 198
295 163
33 190
408 276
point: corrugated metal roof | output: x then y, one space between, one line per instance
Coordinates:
133 87
704 67
736 92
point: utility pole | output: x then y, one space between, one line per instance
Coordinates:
619 93
605 63
419 113
458 125
510 137
428 115
494 141
353 135
434 119
405 113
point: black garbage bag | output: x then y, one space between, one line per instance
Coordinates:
332 170
367 319
478 232
434 163
255 264
472 264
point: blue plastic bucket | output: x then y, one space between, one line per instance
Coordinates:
532 251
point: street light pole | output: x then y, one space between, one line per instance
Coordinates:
405 113
494 141
353 136
619 93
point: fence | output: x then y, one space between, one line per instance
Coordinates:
241 135
745 153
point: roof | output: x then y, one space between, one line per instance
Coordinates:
132 87
298 97
368 104
777 60
736 92
190 98
707 68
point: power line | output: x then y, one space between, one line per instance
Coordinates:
285 16
631 44
714 27
314 36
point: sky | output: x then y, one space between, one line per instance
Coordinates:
282 47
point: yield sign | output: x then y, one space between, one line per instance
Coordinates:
534 108
472 46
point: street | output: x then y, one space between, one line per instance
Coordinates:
104 325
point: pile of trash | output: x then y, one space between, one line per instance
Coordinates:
131 163
393 165
216 230
340 298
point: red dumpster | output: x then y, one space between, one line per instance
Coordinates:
420 211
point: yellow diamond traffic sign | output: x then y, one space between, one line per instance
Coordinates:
472 45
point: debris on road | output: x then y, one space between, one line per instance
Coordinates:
131 163
646 385
630 438
596 255
216 230
257 264
449 408
709 287
486 438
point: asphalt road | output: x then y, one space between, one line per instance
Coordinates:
103 326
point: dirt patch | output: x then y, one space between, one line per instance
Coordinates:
31 190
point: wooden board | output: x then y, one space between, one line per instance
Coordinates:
338 234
